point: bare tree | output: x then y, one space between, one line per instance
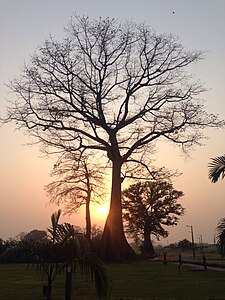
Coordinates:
79 181
116 89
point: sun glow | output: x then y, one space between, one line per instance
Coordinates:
102 210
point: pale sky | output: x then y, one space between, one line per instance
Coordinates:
24 24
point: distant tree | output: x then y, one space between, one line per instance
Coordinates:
79 182
20 236
36 236
18 249
217 168
3 247
11 242
173 245
96 236
113 89
185 244
149 207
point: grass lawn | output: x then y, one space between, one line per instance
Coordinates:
133 281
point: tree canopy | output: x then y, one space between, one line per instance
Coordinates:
113 88
185 244
149 207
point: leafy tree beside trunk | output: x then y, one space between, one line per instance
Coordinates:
148 207
113 89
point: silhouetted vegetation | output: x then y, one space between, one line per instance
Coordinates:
185 244
112 89
65 248
20 248
217 168
148 207
79 182
220 236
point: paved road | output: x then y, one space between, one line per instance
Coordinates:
194 267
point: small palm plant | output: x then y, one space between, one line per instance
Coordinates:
220 237
217 168
68 248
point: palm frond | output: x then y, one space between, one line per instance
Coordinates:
97 269
217 168
220 237
66 247
55 218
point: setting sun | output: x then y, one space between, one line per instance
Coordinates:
99 212
102 210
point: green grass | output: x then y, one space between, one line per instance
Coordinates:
136 281
156 281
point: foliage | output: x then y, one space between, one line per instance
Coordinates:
3 247
96 236
172 246
64 247
35 236
20 248
149 206
154 203
217 168
220 237
21 252
185 244
68 247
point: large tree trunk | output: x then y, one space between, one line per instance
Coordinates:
148 249
114 246
49 290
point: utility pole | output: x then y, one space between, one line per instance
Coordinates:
192 239
201 243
